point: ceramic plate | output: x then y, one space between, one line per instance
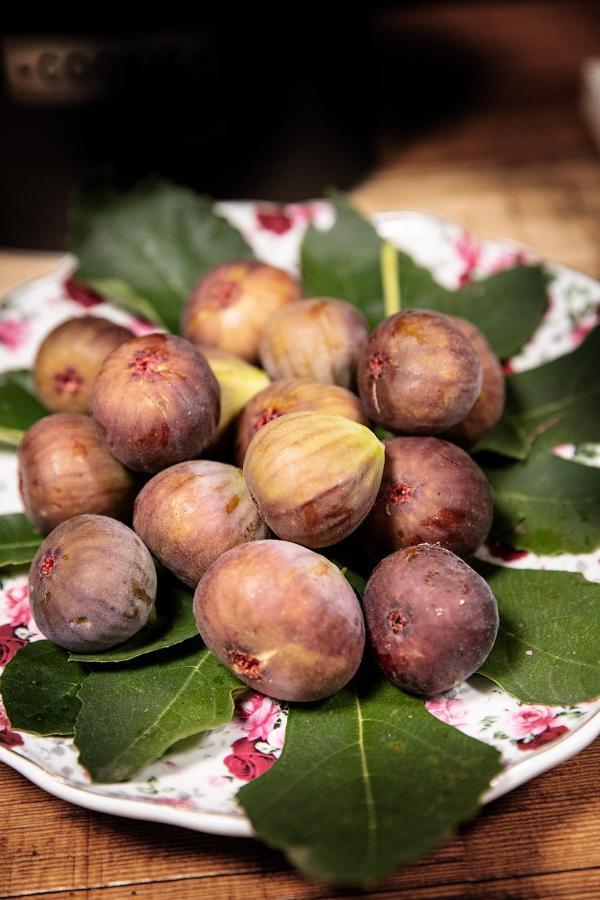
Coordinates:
195 784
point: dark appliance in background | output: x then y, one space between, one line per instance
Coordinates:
236 105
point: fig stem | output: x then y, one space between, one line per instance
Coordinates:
389 278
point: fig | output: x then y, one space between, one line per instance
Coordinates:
282 618
238 380
320 339
191 513
92 584
431 492
155 402
418 374
294 395
65 470
70 357
489 405
232 303
314 476
432 620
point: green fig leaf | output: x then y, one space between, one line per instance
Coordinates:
39 689
368 781
172 624
553 404
546 504
132 713
548 644
19 540
157 240
19 407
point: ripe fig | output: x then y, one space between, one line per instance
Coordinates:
431 492
70 357
294 395
191 513
314 476
238 380
418 374
92 584
155 402
281 618
431 619
65 470
489 405
320 339
231 304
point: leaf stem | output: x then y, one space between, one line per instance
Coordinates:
389 278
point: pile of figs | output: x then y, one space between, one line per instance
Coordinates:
182 452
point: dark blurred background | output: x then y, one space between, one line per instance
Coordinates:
252 104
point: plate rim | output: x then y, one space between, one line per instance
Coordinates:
232 825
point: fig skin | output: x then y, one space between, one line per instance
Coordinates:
92 584
192 513
70 357
489 405
432 620
282 618
418 374
431 492
313 476
65 471
156 402
294 395
239 382
320 339
232 303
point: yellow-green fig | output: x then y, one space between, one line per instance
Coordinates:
239 382
314 476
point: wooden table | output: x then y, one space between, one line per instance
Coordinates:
526 171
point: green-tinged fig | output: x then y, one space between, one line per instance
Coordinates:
281 618
156 402
65 470
239 382
314 476
489 405
418 374
192 513
431 492
320 339
70 357
294 395
432 620
232 303
92 584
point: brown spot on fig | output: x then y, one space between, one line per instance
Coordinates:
399 492
377 365
82 621
245 665
321 568
232 503
68 382
47 564
446 518
140 594
397 621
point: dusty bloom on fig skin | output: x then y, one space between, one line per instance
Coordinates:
246 762
526 720
259 714
452 712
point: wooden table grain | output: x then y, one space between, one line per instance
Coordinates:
525 171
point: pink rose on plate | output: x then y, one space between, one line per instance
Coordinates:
259 714
452 712
7 737
273 218
81 293
545 737
9 643
527 720
17 605
469 251
13 333
246 762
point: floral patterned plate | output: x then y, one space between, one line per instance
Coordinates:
195 783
